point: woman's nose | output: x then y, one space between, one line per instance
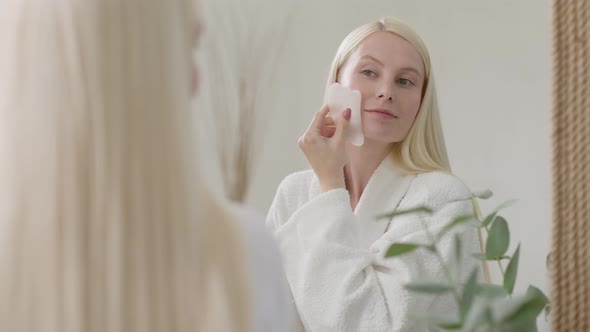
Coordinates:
385 91
385 94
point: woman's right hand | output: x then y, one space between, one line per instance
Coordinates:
324 147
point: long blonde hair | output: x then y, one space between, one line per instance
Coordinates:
105 222
423 149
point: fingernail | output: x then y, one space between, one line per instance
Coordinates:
347 114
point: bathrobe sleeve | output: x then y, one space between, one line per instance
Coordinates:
340 286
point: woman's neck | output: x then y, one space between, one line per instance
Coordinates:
362 163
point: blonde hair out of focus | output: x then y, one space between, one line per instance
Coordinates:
106 223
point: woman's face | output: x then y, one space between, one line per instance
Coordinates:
389 73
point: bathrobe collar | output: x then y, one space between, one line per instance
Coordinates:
384 191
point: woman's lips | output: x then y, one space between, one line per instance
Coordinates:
382 113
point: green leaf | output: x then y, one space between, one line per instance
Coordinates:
489 318
533 304
455 223
534 292
450 326
428 287
480 256
492 216
488 219
397 249
475 317
393 214
483 257
430 248
525 324
491 291
505 205
511 271
468 294
498 239
484 194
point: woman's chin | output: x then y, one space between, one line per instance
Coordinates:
380 137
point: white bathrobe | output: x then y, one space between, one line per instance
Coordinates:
334 257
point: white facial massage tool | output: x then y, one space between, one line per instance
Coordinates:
339 98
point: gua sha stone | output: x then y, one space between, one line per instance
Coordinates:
339 98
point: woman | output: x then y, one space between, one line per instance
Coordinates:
325 218
106 223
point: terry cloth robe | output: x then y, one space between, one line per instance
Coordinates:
334 256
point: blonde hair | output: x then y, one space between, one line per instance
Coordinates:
423 149
105 222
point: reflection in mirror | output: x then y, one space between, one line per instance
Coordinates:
491 69
240 59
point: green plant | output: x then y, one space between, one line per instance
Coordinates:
482 306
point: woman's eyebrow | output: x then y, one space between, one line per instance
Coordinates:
409 68
412 69
366 56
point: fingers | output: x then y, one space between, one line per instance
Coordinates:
329 121
315 129
328 131
320 118
342 126
328 128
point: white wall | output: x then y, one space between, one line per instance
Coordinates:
492 65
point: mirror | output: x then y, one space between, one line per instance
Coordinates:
492 68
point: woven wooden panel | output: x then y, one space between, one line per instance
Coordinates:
570 262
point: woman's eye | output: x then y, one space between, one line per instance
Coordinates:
368 72
405 82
